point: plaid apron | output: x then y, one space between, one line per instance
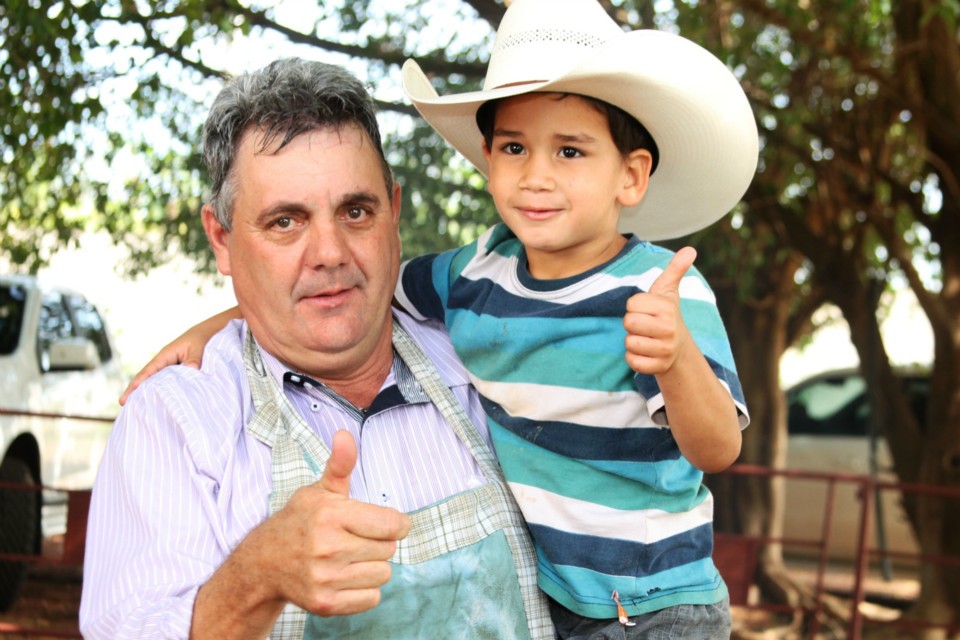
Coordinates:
466 569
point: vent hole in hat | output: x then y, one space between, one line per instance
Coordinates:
562 36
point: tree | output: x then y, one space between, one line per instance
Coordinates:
868 121
859 110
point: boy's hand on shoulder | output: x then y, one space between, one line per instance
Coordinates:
656 332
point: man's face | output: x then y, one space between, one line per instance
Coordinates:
314 250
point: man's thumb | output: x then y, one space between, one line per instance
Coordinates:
343 458
669 280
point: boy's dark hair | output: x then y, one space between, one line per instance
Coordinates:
627 132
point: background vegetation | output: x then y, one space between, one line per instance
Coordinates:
857 101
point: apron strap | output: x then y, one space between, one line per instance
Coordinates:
524 556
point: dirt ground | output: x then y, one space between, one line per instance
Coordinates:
50 600
48 606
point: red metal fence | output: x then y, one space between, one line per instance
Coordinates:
737 555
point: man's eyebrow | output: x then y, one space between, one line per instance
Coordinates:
365 197
279 208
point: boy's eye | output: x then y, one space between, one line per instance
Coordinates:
513 148
569 152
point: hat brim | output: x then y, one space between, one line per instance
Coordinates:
691 104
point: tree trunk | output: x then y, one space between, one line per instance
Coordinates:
760 330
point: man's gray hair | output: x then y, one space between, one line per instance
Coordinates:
286 98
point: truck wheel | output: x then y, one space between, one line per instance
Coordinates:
18 527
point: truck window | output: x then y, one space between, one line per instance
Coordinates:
55 323
12 299
88 324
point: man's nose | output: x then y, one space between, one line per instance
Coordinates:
326 244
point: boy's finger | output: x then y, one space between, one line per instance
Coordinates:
669 280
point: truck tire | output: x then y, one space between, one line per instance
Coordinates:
18 527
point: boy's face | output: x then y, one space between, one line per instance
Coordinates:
559 181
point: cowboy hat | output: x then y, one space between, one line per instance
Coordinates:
689 101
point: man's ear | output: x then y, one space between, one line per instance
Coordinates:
218 237
395 201
636 177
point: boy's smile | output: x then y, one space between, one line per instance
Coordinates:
559 181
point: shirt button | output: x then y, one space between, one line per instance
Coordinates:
384 497
315 406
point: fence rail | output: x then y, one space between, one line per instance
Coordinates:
736 555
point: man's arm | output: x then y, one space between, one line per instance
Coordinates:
171 552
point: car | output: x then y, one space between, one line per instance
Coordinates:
828 417
60 377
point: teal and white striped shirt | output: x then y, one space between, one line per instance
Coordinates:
583 440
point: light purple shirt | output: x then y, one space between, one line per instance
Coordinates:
182 482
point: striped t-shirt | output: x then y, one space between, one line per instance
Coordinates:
583 440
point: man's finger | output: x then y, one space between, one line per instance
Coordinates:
343 458
669 280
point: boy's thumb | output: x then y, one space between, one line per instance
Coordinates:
343 458
669 280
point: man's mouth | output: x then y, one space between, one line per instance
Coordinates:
328 298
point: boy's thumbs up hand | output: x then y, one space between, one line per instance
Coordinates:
656 333
669 281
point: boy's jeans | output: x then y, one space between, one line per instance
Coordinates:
682 622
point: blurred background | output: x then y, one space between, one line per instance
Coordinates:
843 256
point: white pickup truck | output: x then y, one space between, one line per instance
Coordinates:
59 382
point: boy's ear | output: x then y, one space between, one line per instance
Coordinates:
636 177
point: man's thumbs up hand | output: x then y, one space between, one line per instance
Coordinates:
656 333
324 551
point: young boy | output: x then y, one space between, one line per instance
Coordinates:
605 455
620 519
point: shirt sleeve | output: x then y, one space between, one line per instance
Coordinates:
420 292
700 313
151 540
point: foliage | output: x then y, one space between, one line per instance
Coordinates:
104 101
857 102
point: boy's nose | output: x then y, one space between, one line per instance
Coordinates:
537 174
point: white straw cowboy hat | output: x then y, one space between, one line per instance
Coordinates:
689 101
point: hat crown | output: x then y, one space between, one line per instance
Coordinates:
539 40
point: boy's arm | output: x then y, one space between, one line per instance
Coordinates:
703 417
186 349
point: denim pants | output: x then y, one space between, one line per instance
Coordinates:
682 622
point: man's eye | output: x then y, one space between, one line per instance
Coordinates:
283 223
356 213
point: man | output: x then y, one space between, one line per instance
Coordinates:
268 491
